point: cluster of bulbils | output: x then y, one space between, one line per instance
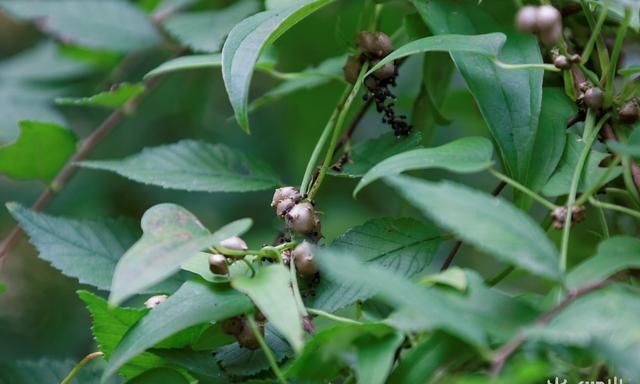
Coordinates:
300 217
373 47
545 21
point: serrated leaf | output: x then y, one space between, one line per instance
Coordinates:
206 31
560 182
489 223
238 361
323 356
327 71
51 371
487 45
109 325
401 293
470 154
509 100
366 155
113 99
404 246
44 62
602 322
193 166
613 255
110 25
194 303
85 250
244 44
160 376
270 290
200 364
39 153
171 235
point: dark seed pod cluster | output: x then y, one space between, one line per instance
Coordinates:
239 328
374 47
559 215
545 21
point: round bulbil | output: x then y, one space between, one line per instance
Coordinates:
302 218
352 69
594 98
303 259
154 301
235 243
526 19
285 193
218 264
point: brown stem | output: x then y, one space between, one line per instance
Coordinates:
507 350
87 146
354 124
456 247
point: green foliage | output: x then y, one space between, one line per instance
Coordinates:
244 44
39 153
108 25
193 166
489 223
194 303
113 99
171 235
466 155
270 290
326 288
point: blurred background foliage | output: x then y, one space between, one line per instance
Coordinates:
40 314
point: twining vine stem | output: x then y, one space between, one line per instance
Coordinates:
81 363
507 350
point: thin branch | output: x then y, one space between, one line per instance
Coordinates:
85 149
82 363
507 350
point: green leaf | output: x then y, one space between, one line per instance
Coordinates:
110 25
270 289
3 288
44 62
400 292
404 246
617 8
194 303
375 359
85 250
171 235
551 138
109 327
160 376
113 99
510 100
487 45
426 358
214 60
327 71
193 166
324 355
50 371
490 223
238 361
186 63
560 181
206 31
470 154
453 277
39 153
613 255
244 44
365 155
200 364
602 322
